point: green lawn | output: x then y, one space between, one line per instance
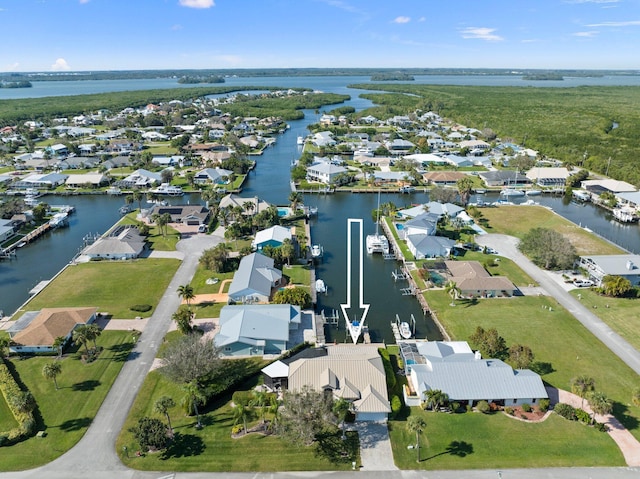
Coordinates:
518 220
111 286
67 412
621 314
212 448
156 240
7 422
479 441
298 274
199 281
563 348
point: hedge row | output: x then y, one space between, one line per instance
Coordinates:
26 422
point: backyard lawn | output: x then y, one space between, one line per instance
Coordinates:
298 274
212 448
563 348
66 413
155 240
111 286
491 441
518 220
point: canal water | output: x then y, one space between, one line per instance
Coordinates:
270 181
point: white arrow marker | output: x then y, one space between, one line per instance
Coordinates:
354 327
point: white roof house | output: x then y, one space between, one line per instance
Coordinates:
93 179
255 278
217 176
434 207
273 236
427 246
324 172
123 243
453 368
232 200
607 184
625 265
548 176
142 178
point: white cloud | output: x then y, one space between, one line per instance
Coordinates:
60 65
176 27
630 23
588 34
196 3
402 20
481 33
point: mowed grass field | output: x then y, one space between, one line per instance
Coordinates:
563 348
518 220
480 441
66 413
111 286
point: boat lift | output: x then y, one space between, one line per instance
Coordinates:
332 319
354 328
399 275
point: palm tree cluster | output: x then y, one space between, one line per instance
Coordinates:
85 334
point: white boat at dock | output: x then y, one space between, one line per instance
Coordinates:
511 192
114 191
625 215
533 192
59 220
316 251
300 140
581 195
405 330
168 190
321 287
377 243
407 189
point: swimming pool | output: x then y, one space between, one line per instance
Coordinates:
436 278
399 226
284 211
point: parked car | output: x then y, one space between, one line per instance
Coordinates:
582 283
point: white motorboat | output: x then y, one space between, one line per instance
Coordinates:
377 243
511 192
114 190
480 191
407 189
300 140
168 190
405 330
533 192
316 251
625 215
321 287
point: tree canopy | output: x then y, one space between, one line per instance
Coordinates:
548 249
296 296
190 358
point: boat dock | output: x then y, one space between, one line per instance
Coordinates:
396 331
399 275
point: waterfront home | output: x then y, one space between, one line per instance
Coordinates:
606 185
443 178
345 371
434 207
425 223
213 176
255 279
78 162
326 173
426 158
427 246
323 139
398 178
453 368
475 282
36 331
88 179
503 178
274 236
6 230
548 176
629 200
38 180
192 215
141 178
250 206
124 242
624 265
250 330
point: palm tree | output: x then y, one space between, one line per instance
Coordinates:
435 398
295 198
137 196
451 288
341 409
51 371
183 321
260 400
241 413
582 386
600 404
465 187
80 336
195 395
416 424
162 406
58 345
274 410
185 291
93 333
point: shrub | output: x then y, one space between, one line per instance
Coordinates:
388 369
509 410
469 408
544 405
455 406
566 411
526 407
151 433
396 406
583 416
24 417
237 429
141 308
242 398
600 426
483 407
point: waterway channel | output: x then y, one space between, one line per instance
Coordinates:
270 181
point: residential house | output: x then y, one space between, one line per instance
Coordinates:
273 236
392 177
548 176
425 224
459 161
254 280
627 199
503 178
125 242
597 187
36 331
346 371
399 146
475 282
434 207
453 368
191 215
326 173
6 230
214 176
141 178
426 158
78 162
251 206
475 146
323 139
166 161
443 178
117 162
93 179
426 246
44 180
624 265
250 330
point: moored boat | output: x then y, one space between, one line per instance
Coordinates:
316 251
511 192
168 190
533 192
321 287
405 330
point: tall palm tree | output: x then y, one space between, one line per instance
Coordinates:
341 409
58 345
582 386
241 413
465 188
600 404
80 336
93 333
137 196
416 424
162 406
51 371
185 291
195 395
451 288
295 198
435 398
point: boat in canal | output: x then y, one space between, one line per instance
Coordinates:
316 251
166 189
511 192
405 330
377 243
321 287
533 192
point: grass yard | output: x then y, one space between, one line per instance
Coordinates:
212 448
481 441
563 348
518 220
298 274
155 240
111 286
199 281
66 413
620 314
7 422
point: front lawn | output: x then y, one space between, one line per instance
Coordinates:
563 348
155 240
68 412
518 220
212 448
298 274
480 441
111 286
199 281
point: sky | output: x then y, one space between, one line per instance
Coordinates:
85 35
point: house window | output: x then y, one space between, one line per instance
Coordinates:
227 349
515 401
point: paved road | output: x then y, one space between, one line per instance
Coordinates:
508 246
94 456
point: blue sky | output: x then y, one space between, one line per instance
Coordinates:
58 35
